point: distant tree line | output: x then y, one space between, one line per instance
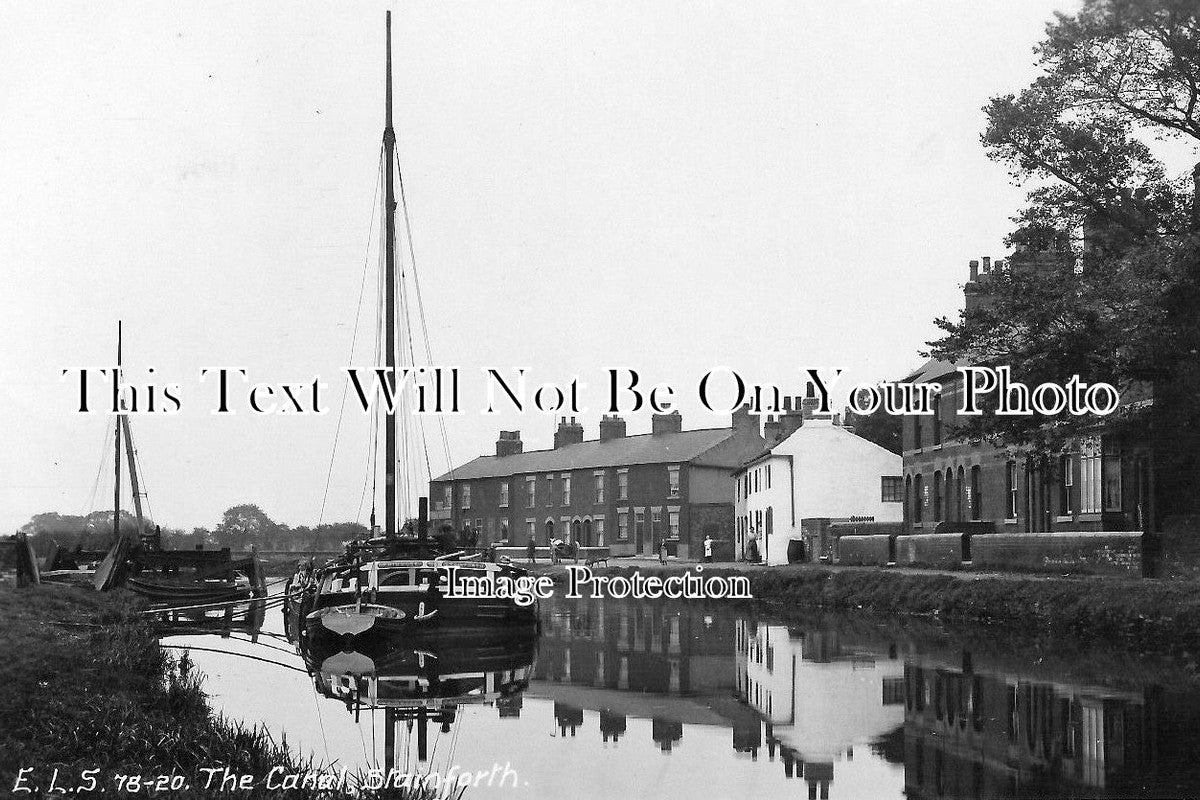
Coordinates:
241 527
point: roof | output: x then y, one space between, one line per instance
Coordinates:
646 448
932 369
807 430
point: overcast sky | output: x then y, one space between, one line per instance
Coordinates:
668 186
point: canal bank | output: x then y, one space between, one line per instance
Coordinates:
93 703
1148 614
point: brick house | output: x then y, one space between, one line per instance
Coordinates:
1102 482
623 491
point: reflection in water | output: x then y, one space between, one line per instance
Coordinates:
685 699
420 681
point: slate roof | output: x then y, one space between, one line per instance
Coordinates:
646 448
933 369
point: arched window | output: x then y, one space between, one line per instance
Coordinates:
908 514
958 492
976 498
587 533
937 496
918 499
549 531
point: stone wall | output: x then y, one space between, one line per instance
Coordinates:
931 549
1108 552
872 550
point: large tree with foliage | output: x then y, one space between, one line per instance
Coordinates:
1105 278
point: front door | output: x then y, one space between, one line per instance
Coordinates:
651 541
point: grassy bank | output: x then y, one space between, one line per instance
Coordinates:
86 687
1163 616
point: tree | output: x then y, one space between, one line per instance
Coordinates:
882 428
1105 279
244 525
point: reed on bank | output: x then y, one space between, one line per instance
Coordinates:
87 687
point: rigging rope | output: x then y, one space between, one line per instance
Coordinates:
353 340
412 256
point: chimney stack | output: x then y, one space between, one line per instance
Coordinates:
509 443
772 430
791 419
611 427
743 420
666 423
568 433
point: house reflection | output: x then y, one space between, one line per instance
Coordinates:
799 699
977 718
974 730
820 692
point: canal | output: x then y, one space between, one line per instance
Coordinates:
683 700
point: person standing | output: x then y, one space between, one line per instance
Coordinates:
662 551
708 544
531 550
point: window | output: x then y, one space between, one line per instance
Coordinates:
1090 476
1112 481
907 497
478 525
531 529
959 490
639 523
490 522
466 495
530 491
937 419
893 489
623 484
673 521
623 527
1010 489
599 481
937 496
598 527
549 490
918 499
673 476
504 494
893 691
566 489
447 499
976 500
655 523
1066 485
768 476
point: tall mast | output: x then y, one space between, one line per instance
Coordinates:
130 455
117 446
389 227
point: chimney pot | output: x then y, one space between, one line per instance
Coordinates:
987 263
974 270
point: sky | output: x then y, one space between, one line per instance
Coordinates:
670 187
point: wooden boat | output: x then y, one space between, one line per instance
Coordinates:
396 582
138 562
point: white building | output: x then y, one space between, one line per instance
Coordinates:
817 472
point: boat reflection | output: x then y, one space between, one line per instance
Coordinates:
419 681
219 619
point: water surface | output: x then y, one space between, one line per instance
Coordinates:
684 700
